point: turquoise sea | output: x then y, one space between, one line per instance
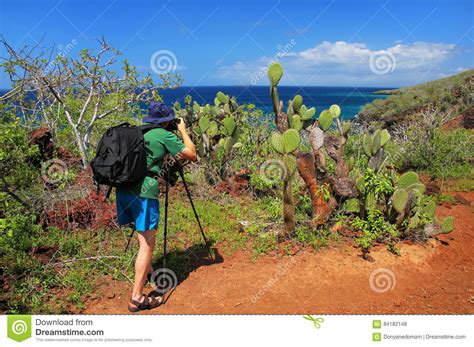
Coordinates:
349 98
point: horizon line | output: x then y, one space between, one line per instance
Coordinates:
264 86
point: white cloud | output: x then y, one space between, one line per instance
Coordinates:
342 63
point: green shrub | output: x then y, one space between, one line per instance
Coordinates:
441 154
373 228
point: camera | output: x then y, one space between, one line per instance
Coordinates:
173 124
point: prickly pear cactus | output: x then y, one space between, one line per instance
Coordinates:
400 200
306 113
447 225
276 141
325 119
297 103
230 125
285 143
204 124
222 98
335 110
407 179
275 73
295 122
291 140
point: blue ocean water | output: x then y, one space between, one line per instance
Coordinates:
350 99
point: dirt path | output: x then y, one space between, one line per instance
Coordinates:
434 278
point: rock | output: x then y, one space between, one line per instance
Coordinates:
68 157
235 185
468 119
458 198
432 188
42 138
244 224
110 295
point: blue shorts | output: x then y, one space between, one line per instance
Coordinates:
143 212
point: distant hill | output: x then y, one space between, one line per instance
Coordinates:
453 95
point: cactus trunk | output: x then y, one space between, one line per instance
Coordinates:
288 209
307 170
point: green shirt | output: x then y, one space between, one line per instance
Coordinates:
159 143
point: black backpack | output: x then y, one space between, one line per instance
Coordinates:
121 156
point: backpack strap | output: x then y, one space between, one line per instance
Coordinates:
146 127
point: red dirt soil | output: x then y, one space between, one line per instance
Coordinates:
433 278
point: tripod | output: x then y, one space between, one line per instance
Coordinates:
165 231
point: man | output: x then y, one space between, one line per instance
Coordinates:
139 203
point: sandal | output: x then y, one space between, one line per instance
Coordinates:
148 303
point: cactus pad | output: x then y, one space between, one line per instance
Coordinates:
224 99
417 186
351 206
204 124
367 145
297 103
213 129
384 137
429 209
296 122
414 221
307 114
291 140
201 150
229 125
228 144
400 199
276 141
360 184
325 120
376 142
335 110
447 225
275 72
407 179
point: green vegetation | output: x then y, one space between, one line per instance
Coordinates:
428 124
261 183
451 95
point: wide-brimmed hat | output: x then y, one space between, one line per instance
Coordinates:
159 113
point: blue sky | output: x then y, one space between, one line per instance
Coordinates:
329 42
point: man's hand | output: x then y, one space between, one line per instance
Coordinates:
189 151
181 126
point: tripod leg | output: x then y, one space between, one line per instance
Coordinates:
129 239
194 210
165 231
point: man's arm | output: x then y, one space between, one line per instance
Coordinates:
189 151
